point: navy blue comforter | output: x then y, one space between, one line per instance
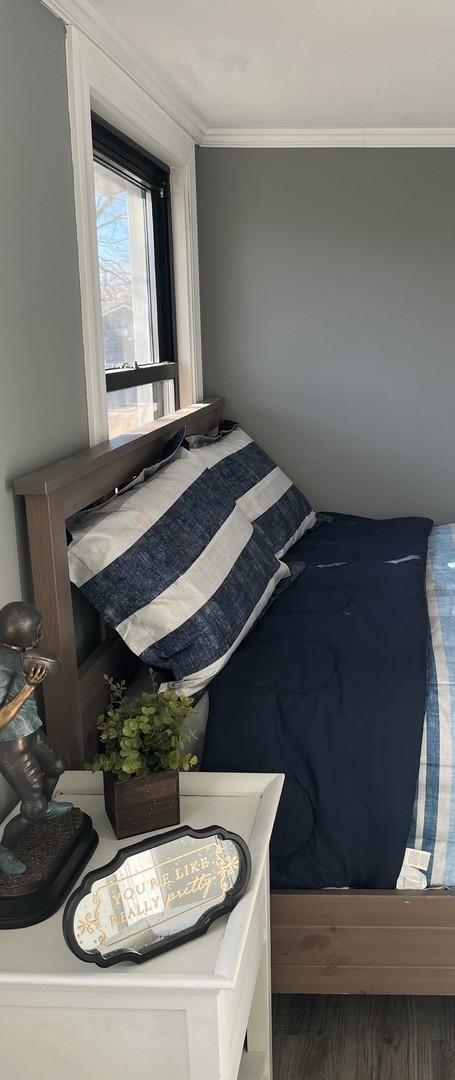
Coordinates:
329 688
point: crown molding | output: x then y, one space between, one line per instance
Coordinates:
327 137
82 14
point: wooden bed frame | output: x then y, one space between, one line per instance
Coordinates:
337 942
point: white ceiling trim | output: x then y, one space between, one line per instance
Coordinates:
326 137
83 15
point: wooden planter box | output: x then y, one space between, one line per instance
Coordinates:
143 803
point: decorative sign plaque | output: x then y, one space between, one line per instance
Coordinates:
156 894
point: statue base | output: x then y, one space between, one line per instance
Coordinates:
55 851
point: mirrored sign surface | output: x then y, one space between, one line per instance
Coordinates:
156 894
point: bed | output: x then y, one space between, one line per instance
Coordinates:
324 940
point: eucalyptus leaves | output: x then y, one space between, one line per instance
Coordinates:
145 734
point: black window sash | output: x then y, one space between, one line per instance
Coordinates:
122 155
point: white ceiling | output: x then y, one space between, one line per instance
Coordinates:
298 63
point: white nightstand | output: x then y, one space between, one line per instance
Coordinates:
199 1012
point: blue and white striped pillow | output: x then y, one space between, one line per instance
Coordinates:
177 569
261 489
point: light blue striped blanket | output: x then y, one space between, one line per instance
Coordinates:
433 824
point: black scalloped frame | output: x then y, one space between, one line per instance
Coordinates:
94 956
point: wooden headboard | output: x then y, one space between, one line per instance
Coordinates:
74 698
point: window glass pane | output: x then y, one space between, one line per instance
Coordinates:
139 406
127 279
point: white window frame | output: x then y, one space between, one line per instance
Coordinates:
97 84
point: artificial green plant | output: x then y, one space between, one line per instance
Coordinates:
144 734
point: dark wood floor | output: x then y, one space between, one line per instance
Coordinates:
363 1038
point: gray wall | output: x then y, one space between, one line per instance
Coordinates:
328 314
43 406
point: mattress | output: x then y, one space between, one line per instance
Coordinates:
433 819
330 689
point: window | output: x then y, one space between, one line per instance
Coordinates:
135 267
